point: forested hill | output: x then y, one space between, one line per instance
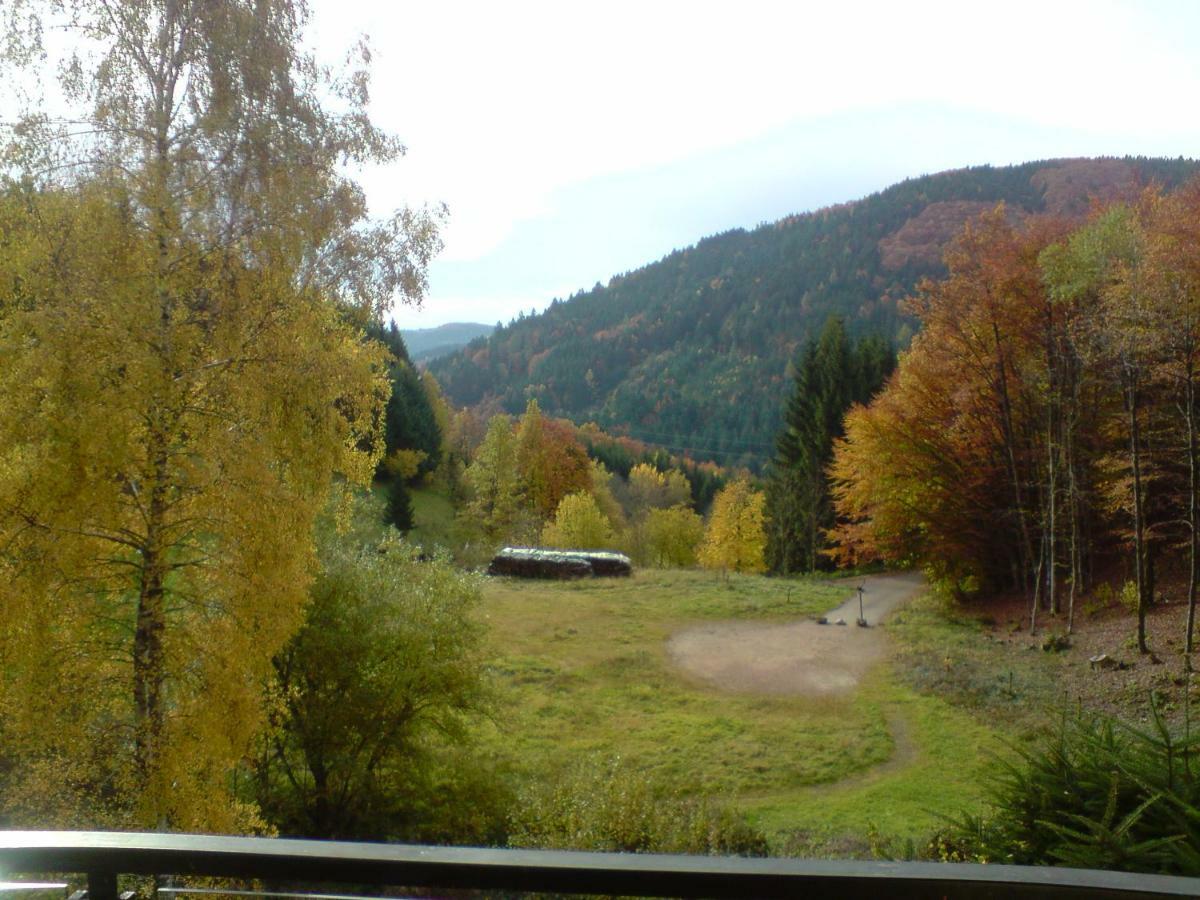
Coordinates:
692 351
430 343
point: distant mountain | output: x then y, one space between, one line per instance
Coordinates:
692 352
429 343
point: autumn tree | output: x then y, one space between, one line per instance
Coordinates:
1105 261
669 537
463 436
734 539
578 524
945 467
551 463
650 488
601 489
1173 262
186 269
492 479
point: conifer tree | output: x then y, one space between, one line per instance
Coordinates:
399 511
410 421
831 374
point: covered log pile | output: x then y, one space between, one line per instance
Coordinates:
527 562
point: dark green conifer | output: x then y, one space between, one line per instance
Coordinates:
399 510
831 373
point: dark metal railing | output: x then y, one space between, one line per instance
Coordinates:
104 856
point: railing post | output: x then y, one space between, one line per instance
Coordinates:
102 886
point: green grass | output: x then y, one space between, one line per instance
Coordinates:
941 649
583 672
951 750
433 518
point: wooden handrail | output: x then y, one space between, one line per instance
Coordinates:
103 856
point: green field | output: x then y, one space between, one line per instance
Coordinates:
583 674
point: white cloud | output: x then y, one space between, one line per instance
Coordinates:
503 103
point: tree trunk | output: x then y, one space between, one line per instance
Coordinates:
1139 529
1026 545
1037 585
149 656
1193 524
1073 511
1051 464
149 652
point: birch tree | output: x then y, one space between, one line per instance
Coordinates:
184 263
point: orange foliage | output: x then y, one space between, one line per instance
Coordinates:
933 472
551 463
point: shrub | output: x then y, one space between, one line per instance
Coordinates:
1097 793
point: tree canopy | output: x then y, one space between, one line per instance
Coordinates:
1044 420
186 270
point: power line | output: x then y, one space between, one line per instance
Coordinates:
759 445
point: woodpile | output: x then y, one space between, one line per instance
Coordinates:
528 562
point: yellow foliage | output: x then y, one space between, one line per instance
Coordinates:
735 538
166 442
672 535
578 525
651 489
405 463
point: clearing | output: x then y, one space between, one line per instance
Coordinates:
799 657
586 675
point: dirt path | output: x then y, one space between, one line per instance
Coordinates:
904 753
794 657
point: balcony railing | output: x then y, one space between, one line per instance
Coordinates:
105 856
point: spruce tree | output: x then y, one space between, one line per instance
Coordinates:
399 512
831 374
409 421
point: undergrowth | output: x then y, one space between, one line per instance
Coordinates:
1095 793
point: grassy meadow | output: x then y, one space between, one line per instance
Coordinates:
583 674
583 678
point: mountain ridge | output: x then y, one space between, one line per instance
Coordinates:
424 344
692 351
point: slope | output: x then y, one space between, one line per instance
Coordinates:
429 343
692 352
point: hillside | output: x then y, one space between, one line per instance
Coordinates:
692 351
429 343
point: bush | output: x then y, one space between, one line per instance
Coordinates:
374 700
1129 596
1098 793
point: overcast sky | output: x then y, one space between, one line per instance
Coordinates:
572 141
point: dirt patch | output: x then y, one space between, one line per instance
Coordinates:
794 657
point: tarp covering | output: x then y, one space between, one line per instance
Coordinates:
529 562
